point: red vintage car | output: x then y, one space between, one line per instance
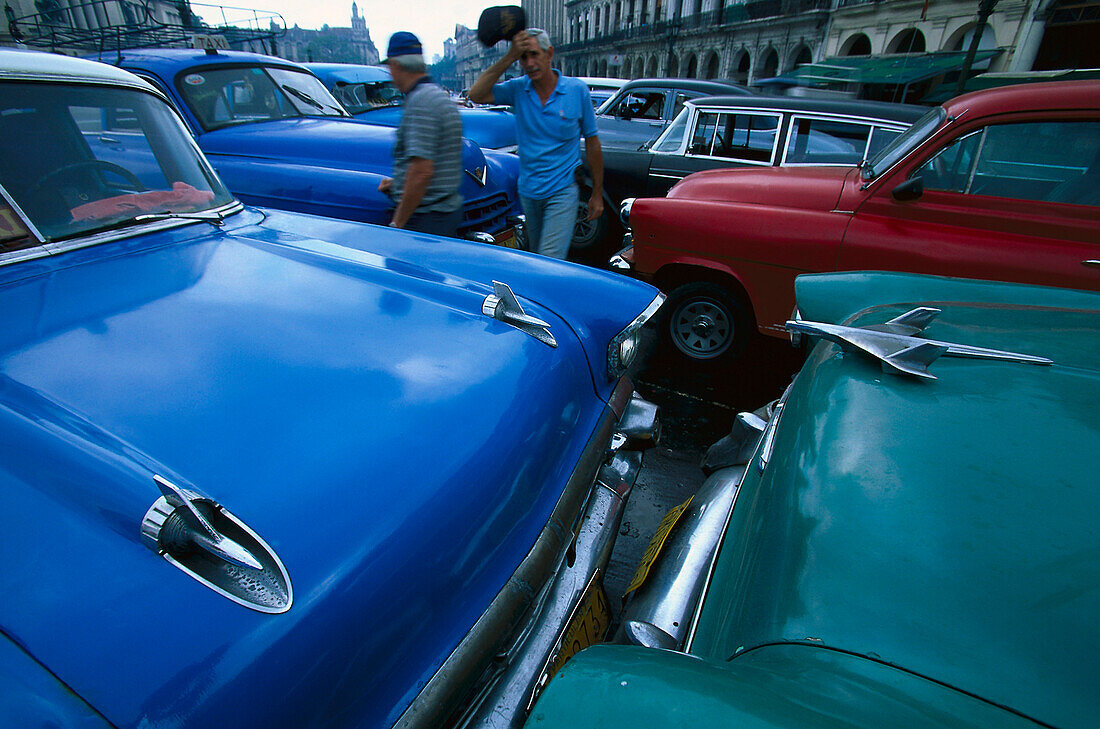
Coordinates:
1002 184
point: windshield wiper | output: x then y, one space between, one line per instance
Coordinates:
303 96
212 218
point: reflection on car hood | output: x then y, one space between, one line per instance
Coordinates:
397 449
810 188
946 527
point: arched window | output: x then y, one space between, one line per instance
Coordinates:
742 63
800 57
712 66
673 66
692 66
909 40
651 67
771 65
858 45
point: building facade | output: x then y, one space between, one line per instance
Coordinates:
331 45
471 58
760 39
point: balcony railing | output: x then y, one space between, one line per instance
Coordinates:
99 25
728 15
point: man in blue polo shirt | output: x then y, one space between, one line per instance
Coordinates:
552 113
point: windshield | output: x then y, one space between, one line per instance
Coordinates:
672 139
77 159
360 97
220 97
901 145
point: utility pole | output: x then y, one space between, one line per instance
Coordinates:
985 9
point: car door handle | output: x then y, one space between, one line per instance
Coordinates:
1091 262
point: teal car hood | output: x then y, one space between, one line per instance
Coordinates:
944 527
775 687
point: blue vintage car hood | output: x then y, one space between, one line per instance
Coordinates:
277 164
397 449
488 128
338 143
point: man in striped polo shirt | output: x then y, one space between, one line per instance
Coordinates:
427 159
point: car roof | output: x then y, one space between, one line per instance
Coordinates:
39 65
171 60
611 83
1043 96
350 73
691 84
907 113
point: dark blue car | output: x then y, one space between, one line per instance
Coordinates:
267 469
369 94
277 138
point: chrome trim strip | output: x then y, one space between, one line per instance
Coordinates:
669 177
51 249
583 523
23 217
628 330
657 615
725 529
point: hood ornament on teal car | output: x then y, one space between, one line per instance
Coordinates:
897 347
503 305
203 539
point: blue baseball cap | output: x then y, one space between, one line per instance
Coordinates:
404 43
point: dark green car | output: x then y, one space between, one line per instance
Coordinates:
909 537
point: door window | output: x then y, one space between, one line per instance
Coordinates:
742 137
640 105
1052 161
702 137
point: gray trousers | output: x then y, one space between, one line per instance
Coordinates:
445 224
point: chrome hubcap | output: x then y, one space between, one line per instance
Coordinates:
702 328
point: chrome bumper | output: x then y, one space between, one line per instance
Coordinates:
618 262
660 612
493 677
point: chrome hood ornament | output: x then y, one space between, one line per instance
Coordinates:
203 539
896 346
503 305
480 174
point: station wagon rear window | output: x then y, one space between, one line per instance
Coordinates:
833 141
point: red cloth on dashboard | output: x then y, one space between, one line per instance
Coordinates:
181 198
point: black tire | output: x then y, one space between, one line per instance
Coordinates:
705 324
589 234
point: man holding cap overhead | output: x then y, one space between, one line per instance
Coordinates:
427 159
552 113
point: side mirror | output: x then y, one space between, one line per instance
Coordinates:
911 189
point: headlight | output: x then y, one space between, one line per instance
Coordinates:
624 346
624 210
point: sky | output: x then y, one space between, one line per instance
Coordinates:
431 20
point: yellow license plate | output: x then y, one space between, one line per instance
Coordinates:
655 544
587 625
507 238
